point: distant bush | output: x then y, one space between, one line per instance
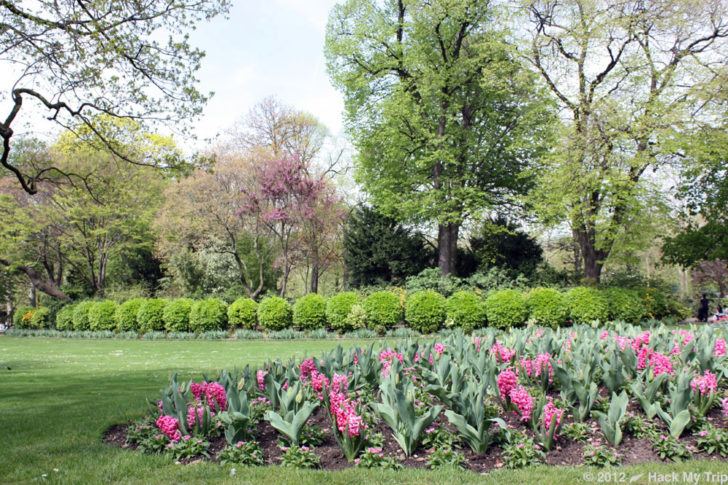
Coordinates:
41 318
275 313
466 310
309 312
547 306
126 315
243 313
587 305
338 308
150 316
655 301
425 311
506 308
64 317
176 315
101 315
80 315
383 311
208 315
625 304
23 316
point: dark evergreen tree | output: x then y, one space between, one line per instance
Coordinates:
379 250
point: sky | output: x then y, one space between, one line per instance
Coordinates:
267 48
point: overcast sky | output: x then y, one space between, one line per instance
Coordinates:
267 48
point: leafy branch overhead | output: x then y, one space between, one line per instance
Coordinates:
76 59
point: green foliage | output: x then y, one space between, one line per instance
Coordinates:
23 316
309 312
712 439
150 316
64 317
299 457
625 304
466 310
126 315
41 318
506 308
655 302
425 311
242 313
375 458
176 315
80 315
600 456
101 315
576 431
383 310
547 306
242 453
611 421
275 313
444 458
338 308
522 452
207 315
379 250
432 279
587 305
190 447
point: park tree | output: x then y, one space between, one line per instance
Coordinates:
443 116
378 249
712 273
628 77
73 60
201 215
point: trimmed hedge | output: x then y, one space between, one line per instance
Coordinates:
275 313
587 305
207 315
309 312
425 311
383 311
176 315
625 304
506 308
80 315
547 307
64 317
338 308
243 313
150 316
466 310
126 315
101 315
22 316
41 318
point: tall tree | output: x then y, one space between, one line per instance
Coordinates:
626 75
76 59
443 117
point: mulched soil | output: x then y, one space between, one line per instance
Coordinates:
566 452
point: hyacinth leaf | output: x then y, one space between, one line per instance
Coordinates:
478 438
292 424
610 422
679 423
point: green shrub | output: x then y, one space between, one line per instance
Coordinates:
309 312
383 311
587 305
208 315
176 315
150 316
625 304
466 310
22 316
80 315
506 308
275 313
338 308
64 317
243 313
547 306
41 318
101 315
425 311
655 302
126 315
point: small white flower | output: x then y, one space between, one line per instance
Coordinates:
232 472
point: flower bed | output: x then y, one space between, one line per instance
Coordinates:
564 397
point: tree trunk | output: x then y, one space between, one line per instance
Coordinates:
315 271
592 257
40 281
32 297
447 245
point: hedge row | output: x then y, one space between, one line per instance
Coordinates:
424 311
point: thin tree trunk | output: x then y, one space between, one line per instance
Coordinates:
32 296
447 244
315 270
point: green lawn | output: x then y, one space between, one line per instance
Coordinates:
58 396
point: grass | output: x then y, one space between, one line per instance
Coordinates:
57 397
